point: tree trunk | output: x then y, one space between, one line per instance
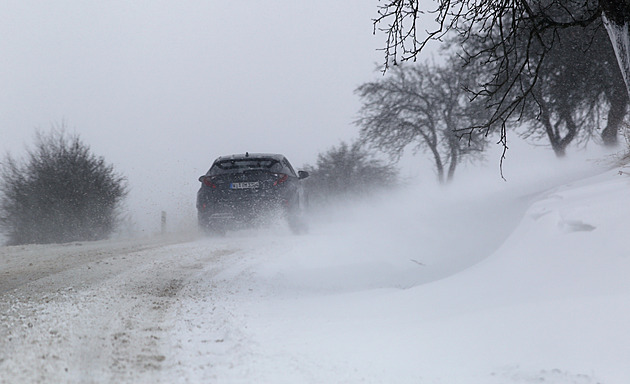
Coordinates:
552 132
616 114
454 159
439 166
616 17
571 129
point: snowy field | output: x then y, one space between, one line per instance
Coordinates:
490 282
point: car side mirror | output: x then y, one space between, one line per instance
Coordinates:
302 175
201 178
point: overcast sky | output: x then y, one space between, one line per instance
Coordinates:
161 88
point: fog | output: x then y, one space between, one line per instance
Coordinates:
160 89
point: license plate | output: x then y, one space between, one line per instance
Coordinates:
245 185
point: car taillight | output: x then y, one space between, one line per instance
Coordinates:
208 182
281 178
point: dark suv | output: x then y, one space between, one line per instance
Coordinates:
244 190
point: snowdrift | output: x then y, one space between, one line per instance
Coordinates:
501 288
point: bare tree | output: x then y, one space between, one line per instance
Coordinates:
348 171
578 84
61 193
501 25
422 106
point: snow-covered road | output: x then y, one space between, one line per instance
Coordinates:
91 312
429 287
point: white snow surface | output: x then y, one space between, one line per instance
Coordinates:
521 282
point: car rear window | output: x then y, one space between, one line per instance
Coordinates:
231 166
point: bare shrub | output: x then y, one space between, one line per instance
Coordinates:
60 193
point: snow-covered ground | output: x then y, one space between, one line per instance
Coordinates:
483 282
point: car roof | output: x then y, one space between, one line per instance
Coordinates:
247 155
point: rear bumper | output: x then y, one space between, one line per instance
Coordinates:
241 212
